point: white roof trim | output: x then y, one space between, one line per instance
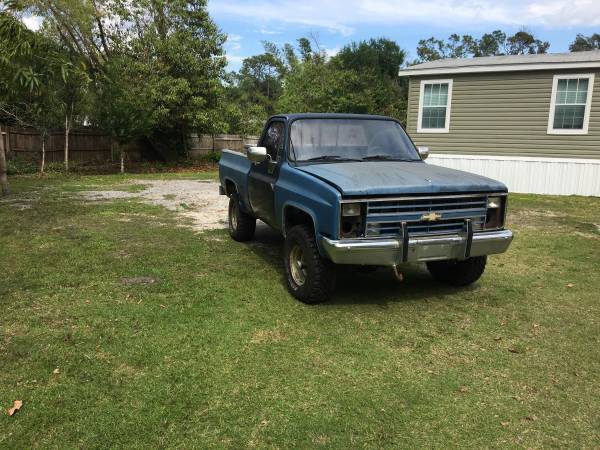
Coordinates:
498 68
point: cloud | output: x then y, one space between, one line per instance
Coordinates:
575 13
331 51
269 32
235 60
233 42
344 16
310 13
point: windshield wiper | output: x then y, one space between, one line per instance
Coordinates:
331 158
384 158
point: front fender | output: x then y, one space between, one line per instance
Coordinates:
311 195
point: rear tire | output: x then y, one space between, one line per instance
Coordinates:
458 273
310 277
241 225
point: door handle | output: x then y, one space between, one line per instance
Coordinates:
272 186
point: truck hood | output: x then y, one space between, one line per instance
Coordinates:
399 177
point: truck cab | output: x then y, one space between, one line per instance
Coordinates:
354 189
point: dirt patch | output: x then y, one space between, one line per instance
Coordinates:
267 336
196 200
20 203
138 280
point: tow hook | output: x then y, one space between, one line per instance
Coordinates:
397 274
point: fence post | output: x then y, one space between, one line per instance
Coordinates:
4 187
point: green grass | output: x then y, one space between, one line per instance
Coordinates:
216 353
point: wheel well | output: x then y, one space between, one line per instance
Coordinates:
294 216
230 187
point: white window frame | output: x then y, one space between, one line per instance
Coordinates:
446 129
588 105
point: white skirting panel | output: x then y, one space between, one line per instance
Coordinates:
557 176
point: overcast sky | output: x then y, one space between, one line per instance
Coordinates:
338 22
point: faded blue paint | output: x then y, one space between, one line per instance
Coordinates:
235 167
319 199
399 178
318 188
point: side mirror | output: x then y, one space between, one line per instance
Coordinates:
423 152
257 154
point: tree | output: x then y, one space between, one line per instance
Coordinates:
29 96
176 40
43 112
124 104
361 78
490 44
383 56
252 94
584 43
73 100
4 186
523 42
259 80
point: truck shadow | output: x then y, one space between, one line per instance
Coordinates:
357 285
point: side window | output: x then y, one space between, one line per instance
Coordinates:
570 104
434 106
273 139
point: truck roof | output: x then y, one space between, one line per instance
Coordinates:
294 116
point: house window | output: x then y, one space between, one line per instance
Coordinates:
570 104
434 106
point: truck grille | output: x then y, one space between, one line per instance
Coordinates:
385 217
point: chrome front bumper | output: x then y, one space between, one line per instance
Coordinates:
389 252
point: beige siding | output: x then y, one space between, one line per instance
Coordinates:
505 114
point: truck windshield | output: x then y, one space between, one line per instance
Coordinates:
338 140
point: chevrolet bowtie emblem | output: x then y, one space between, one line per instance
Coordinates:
431 217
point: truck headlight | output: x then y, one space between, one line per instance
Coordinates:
494 202
351 223
496 211
351 209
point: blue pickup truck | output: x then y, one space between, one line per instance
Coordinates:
354 189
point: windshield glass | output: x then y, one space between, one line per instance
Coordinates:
350 139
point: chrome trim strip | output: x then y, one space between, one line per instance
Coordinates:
384 199
442 211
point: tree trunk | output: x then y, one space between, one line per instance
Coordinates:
43 153
67 130
3 178
122 153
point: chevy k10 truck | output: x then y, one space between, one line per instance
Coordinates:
354 189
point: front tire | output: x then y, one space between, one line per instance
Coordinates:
458 273
241 225
310 277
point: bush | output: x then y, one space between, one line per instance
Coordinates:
17 166
21 167
214 156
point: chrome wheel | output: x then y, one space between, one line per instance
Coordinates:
233 216
297 266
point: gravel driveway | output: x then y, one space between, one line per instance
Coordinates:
197 200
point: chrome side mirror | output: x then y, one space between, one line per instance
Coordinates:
423 152
257 154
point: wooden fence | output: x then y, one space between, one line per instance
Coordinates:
84 145
93 146
203 144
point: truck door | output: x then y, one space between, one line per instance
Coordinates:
262 177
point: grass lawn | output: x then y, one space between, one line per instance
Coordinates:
216 353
